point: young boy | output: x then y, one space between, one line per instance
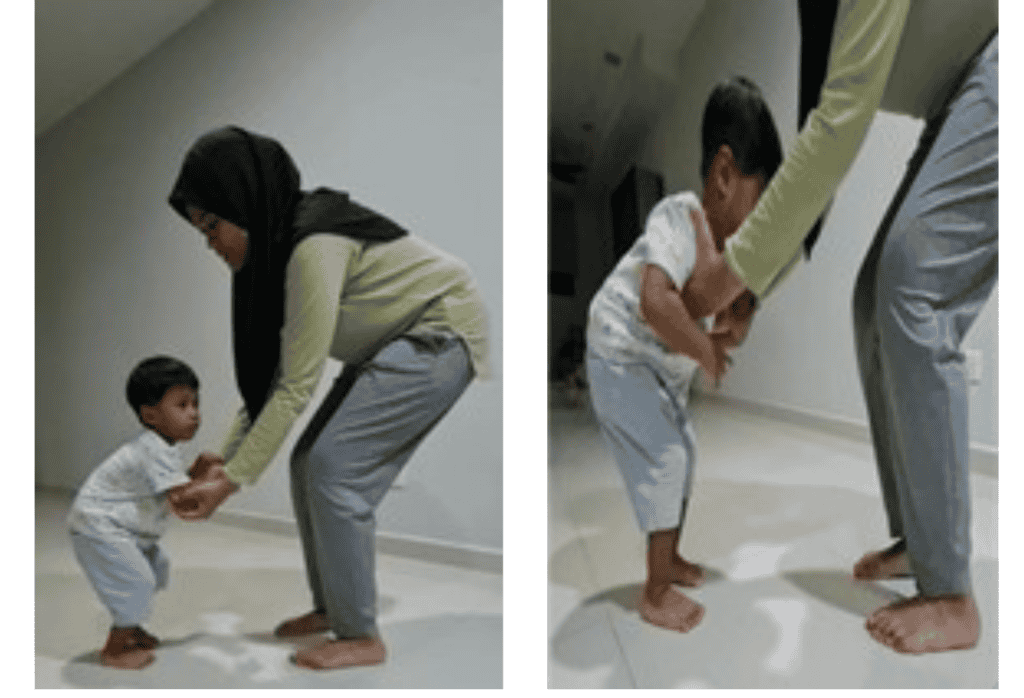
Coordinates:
645 337
121 510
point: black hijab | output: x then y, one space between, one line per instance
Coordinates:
817 26
251 181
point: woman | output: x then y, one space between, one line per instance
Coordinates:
927 274
318 275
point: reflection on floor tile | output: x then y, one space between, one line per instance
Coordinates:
228 589
779 515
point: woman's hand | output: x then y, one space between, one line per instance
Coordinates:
733 323
712 286
201 497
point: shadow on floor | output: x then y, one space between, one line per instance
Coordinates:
840 589
800 629
259 598
444 651
216 626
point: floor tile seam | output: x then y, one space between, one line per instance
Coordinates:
592 587
593 579
620 645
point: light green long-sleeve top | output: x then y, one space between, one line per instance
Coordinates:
347 299
897 55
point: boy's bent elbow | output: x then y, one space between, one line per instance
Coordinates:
655 291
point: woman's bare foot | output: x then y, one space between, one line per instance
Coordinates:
308 624
123 650
890 563
686 573
670 609
342 653
927 624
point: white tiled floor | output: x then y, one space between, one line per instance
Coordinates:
229 587
779 515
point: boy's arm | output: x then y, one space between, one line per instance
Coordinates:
662 307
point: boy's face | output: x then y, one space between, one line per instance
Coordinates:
176 416
729 196
747 191
224 237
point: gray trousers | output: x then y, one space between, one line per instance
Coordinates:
642 414
928 273
365 430
124 570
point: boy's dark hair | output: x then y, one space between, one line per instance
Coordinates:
153 377
736 115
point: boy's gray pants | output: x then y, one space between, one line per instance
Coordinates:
929 271
125 570
363 433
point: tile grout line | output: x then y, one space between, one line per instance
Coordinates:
591 571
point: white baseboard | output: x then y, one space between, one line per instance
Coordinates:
429 550
984 459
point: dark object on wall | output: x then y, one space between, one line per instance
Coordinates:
561 284
568 372
562 250
817 25
567 172
631 201
571 354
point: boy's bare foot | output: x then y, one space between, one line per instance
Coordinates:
686 573
670 609
137 658
123 650
144 639
890 563
342 653
308 624
927 624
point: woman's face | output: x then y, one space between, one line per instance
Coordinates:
224 237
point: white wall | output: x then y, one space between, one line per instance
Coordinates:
799 353
397 102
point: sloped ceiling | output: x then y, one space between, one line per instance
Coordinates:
588 94
81 45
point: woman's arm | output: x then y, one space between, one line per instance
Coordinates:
866 38
240 426
313 283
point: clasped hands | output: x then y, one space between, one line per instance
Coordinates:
713 290
209 487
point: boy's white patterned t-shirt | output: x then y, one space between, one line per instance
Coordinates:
615 329
128 490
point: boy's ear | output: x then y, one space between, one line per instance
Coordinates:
723 170
146 412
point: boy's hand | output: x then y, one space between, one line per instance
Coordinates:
201 497
177 498
714 360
